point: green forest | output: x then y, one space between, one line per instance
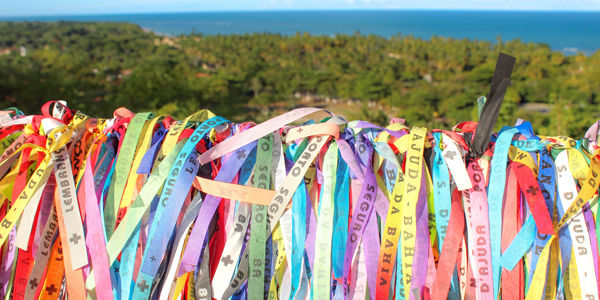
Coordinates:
98 67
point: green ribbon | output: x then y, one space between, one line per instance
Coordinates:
259 228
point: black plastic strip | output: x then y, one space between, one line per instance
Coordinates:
489 114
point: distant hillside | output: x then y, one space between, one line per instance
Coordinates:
98 67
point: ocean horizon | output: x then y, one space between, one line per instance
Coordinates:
567 31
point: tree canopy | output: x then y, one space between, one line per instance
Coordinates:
98 67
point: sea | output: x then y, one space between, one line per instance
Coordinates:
569 32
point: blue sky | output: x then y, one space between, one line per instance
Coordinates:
78 7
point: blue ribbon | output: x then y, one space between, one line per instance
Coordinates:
495 196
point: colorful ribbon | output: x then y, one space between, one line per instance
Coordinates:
144 207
